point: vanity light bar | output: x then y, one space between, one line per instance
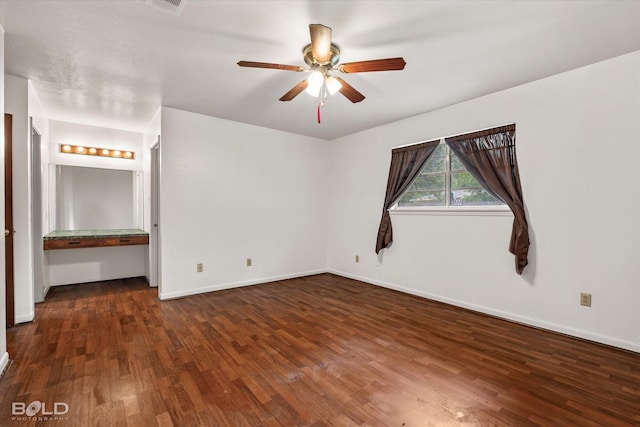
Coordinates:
95 151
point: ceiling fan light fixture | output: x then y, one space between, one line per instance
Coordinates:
333 85
323 58
315 80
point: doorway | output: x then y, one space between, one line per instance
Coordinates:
8 219
36 213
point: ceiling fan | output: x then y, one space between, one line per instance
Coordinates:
322 56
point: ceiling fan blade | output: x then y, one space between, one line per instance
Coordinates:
349 92
320 42
295 91
269 65
389 64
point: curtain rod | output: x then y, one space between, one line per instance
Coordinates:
451 136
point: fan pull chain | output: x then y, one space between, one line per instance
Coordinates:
323 99
320 105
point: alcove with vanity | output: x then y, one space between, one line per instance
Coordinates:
97 220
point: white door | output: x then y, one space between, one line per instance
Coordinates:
36 214
154 235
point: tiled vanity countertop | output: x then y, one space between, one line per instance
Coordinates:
73 239
71 234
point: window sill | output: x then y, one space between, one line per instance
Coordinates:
471 211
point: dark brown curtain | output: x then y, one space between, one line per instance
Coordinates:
490 157
406 163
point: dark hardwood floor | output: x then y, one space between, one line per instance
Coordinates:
315 351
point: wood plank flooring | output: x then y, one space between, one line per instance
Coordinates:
315 351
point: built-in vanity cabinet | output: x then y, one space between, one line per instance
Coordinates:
74 239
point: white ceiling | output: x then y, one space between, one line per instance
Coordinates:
113 63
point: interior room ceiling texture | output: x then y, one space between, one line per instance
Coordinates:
113 63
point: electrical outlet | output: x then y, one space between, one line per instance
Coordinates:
199 268
585 299
248 262
357 258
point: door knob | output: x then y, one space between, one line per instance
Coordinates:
6 232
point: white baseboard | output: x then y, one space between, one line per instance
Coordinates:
578 333
4 362
188 292
148 279
25 318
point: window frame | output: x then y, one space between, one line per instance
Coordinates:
448 208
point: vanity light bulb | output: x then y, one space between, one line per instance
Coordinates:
95 151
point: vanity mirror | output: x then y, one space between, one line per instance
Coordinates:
84 198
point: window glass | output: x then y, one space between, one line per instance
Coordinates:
444 174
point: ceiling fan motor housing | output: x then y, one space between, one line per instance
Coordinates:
334 56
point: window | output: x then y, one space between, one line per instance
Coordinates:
431 176
444 182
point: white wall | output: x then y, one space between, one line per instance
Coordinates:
93 264
578 147
68 266
4 356
94 136
231 191
22 102
16 104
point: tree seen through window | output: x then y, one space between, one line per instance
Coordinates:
444 181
